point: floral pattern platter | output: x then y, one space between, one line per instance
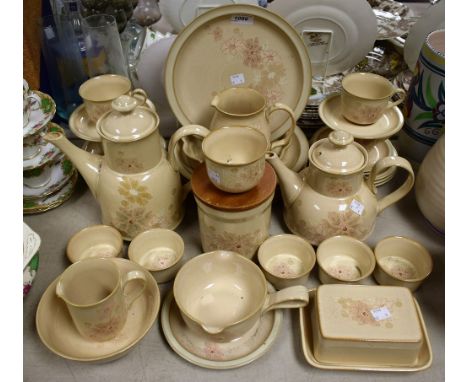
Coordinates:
213 355
29 273
61 172
237 45
41 115
34 206
423 362
57 331
48 151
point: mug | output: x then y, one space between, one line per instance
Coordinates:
366 96
29 99
94 292
234 155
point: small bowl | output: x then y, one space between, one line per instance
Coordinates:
344 259
95 241
286 260
402 262
158 250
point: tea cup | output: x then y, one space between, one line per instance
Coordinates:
222 295
94 293
366 96
99 92
344 259
158 250
38 177
402 261
93 242
234 155
29 99
286 260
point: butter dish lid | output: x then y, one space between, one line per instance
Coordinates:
367 313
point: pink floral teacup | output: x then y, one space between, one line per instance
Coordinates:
93 290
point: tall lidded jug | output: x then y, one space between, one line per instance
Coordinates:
133 182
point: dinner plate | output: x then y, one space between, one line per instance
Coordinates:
352 23
432 19
237 45
179 13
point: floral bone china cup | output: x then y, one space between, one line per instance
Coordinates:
366 96
222 295
94 292
29 99
234 155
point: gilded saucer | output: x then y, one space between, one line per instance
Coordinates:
58 333
202 352
389 124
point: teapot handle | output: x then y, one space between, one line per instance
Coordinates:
287 138
184 131
401 191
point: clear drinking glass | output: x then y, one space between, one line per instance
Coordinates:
104 54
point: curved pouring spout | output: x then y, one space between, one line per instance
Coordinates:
291 183
88 165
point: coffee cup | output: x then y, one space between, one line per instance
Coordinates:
366 96
94 293
222 295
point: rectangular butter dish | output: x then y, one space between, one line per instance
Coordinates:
364 327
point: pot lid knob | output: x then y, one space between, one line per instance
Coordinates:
124 104
340 138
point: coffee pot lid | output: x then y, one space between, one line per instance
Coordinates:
212 196
127 121
338 154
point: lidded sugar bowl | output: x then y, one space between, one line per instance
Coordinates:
332 197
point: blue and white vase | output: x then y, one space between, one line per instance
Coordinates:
424 109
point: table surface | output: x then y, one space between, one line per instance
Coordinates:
153 359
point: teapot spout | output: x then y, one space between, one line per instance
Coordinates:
88 165
290 182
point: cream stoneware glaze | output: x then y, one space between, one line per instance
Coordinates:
134 184
94 292
365 97
248 107
234 155
402 262
344 259
286 260
333 198
224 295
158 250
95 241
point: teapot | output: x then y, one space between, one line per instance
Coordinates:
332 197
133 182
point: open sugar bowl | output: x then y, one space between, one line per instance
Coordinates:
402 262
344 259
286 260
94 242
158 250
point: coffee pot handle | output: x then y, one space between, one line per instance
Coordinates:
287 137
292 297
184 131
401 191
133 276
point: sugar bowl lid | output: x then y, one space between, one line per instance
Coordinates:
127 121
210 195
338 154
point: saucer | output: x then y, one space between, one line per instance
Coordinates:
61 172
200 351
58 333
41 115
84 128
47 151
389 124
423 362
295 155
34 206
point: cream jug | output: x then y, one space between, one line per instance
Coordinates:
333 198
136 187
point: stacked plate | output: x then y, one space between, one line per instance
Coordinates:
48 176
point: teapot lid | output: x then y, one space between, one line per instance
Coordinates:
338 154
127 121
